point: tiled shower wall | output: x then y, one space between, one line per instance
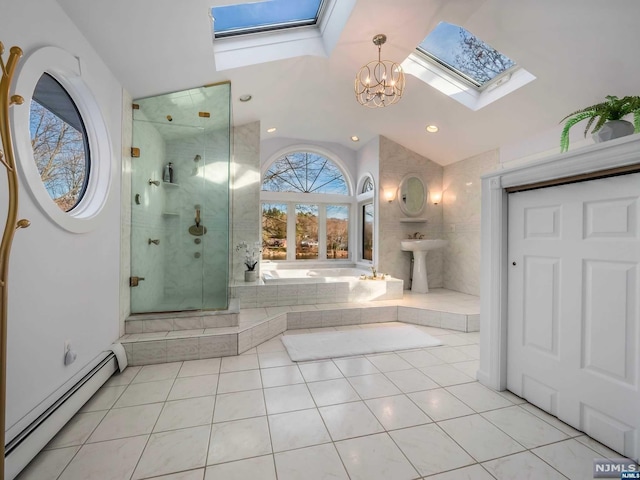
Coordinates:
461 203
245 188
197 271
397 161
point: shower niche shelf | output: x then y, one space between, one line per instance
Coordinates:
413 220
171 185
170 214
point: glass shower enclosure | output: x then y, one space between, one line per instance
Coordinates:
180 201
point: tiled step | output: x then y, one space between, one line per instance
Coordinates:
259 325
173 321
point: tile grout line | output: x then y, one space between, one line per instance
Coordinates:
306 383
133 471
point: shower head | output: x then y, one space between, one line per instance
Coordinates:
197 158
154 182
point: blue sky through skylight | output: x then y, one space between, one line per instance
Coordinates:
267 14
465 53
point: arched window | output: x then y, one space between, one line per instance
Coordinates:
366 219
367 185
304 172
306 204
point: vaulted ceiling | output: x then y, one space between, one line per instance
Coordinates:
579 50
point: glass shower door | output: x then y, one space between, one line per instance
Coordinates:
180 201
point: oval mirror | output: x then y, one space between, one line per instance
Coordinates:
412 195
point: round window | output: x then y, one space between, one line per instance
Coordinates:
59 142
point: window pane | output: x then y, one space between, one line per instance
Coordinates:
304 172
367 231
59 143
274 231
337 231
266 15
465 54
307 232
368 185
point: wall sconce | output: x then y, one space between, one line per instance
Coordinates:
436 198
389 194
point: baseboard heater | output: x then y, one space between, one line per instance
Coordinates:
32 439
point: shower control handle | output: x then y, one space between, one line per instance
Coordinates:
197 217
133 281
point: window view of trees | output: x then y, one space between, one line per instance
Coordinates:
479 60
465 54
274 231
307 232
321 227
367 186
367 231
337 232
59 147
304 172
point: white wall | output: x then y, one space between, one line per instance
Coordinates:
61 285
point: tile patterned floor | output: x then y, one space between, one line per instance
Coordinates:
401 415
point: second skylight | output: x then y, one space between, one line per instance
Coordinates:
458 50
243 18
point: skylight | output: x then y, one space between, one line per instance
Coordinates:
243 18
463 67
458 50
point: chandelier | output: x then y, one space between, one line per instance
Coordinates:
379 83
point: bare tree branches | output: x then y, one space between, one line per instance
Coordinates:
59 152
305 173
479 60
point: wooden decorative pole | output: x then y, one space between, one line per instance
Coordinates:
8 160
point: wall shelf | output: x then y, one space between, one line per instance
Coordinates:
170 184
413 220
170 214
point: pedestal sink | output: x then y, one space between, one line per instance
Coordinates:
420 249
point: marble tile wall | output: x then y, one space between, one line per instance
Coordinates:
125 210
198 271
397 161
461 206
245 187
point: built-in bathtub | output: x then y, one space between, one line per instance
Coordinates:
297 286
316 275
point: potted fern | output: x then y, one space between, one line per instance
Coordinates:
607 117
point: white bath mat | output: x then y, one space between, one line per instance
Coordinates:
314 346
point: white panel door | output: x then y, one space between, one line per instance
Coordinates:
573 338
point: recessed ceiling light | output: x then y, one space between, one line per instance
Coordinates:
271 130
355 138
245 98
432 128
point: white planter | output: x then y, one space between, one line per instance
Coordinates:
250 275
613 129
